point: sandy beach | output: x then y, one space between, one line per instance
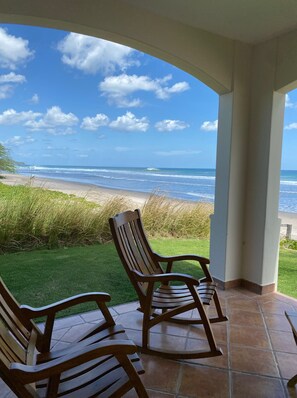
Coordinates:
88 191
98 194
291 219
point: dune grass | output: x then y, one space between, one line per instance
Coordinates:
180 219
39 218
44 276
36 217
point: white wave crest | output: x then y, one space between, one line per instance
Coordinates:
201 195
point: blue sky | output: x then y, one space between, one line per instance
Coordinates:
68 99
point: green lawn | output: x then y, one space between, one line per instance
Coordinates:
287 274
43 276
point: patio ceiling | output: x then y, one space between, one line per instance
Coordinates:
251 21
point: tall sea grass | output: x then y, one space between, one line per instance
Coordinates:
166 217
35 217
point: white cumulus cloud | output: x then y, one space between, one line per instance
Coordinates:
291 126
8 82
129 122
12 78
14 51
209 126
171 125
54 122
118 89
92 55
93 123
166 92
11 116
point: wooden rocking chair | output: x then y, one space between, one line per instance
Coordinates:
102 363
164 301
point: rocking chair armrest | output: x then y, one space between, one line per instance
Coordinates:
51 309
182 257
203 261
164 278
30 374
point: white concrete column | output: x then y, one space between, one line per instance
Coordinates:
262 226
245 225
228 218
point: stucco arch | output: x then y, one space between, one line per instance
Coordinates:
206 56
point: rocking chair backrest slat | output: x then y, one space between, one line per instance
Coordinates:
139 260
146 255
20 334
15 332
133 247
13 308
133 256
9 346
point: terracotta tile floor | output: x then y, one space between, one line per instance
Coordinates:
260 354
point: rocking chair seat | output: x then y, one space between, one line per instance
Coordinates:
167 296
102 376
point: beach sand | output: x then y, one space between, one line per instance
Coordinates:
98 194
88 191
291 219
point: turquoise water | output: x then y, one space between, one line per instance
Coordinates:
187 184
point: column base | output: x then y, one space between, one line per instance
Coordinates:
253 287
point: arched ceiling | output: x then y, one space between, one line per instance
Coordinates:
204 55
198 36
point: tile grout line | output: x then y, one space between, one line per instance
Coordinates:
230 378
179 378
273 352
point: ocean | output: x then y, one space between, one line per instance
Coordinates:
187 184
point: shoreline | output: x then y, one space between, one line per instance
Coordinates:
100 194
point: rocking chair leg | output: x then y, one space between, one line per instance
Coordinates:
205 321
145 337
220 316
145 329
134 377
292 381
